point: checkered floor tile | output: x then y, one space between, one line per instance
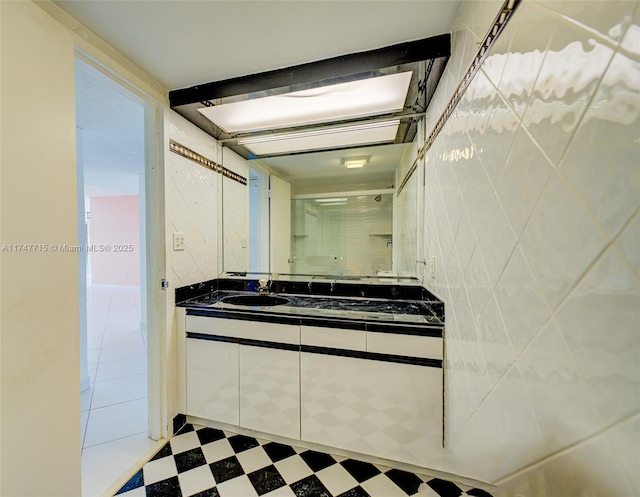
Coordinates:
203 462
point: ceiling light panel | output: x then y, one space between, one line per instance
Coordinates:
354 163
343 136
367 97
330 200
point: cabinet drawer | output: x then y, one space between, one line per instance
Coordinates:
214 326
405 345
337 338
237 328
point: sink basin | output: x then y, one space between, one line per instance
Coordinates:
257 300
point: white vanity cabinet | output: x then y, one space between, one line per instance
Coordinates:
244 373
212 380
372 402
270 390
370 388
385 409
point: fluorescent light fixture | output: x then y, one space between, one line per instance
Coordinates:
341 136
322 200
328 204
354 162
366 97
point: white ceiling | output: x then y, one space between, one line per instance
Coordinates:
187 42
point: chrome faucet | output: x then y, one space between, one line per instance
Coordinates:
263 286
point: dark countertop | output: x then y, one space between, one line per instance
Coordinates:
206 299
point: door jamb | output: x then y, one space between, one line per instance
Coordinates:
156 258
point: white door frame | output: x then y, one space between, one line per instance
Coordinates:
155 245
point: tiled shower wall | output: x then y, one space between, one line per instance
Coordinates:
532 188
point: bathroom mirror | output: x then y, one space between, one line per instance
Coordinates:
344 233
342 124
310 214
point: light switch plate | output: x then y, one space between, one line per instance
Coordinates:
178 241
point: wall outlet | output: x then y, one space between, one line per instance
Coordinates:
178 241
432 266
243 242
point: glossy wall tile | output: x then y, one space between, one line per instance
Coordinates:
531 209
191 199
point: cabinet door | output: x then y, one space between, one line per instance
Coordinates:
380 408
212 380
270 390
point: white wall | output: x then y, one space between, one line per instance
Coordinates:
39 344
531 209
39 354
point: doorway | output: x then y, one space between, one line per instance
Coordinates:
116 171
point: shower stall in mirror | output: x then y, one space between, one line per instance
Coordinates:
342 234
330 221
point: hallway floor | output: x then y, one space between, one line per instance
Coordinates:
204 462
114 408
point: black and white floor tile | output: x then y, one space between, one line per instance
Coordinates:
204 462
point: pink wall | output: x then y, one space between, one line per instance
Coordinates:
114 236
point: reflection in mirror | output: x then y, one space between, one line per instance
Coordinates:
343 234
350 236
258 221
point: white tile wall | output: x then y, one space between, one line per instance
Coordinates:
191 206
195 197
590 467
533 191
